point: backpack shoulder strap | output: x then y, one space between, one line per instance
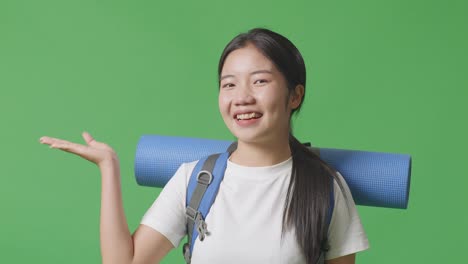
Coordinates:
201 192
202 189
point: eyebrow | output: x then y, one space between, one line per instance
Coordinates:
252 73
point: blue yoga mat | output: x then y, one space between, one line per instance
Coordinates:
374 178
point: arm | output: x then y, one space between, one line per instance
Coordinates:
117 244
348 259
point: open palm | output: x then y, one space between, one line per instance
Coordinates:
94 151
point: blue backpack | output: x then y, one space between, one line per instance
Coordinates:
201 192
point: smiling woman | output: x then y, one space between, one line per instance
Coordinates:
278 202
253 99
276 189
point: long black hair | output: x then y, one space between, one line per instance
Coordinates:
307 207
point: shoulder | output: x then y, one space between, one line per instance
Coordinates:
182 175
346 233
340 187
167 213
344 210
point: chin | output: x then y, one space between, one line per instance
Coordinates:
247 137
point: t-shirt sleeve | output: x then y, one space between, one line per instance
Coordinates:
167 214
346 234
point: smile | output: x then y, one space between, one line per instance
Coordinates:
247 116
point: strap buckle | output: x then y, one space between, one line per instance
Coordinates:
200 223
186 252
201 228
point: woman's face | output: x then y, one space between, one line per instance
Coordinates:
253 97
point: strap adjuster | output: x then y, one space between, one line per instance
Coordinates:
191 213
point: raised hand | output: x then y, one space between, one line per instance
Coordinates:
97 152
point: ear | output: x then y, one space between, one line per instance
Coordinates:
295 98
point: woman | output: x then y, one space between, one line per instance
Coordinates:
274 202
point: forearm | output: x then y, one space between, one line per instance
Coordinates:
116 240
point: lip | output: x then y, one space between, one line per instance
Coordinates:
247 122
245 112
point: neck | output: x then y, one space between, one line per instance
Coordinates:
261 154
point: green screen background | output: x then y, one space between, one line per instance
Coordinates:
385 76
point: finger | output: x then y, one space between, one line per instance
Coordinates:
88 138
83 151
51 140
44 140
54 142
75 148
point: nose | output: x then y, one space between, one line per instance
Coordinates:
244 95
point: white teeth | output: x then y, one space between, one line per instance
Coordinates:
247 116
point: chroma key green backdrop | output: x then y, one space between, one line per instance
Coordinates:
387 76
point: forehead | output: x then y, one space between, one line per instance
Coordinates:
246 60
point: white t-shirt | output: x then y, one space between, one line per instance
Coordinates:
245 220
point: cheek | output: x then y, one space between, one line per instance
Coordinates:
223 103
273 100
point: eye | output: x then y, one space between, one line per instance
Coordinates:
260 81
227 85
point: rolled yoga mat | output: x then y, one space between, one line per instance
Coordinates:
374 178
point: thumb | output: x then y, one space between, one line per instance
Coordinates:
88 138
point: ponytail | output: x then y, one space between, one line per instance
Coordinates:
307 206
